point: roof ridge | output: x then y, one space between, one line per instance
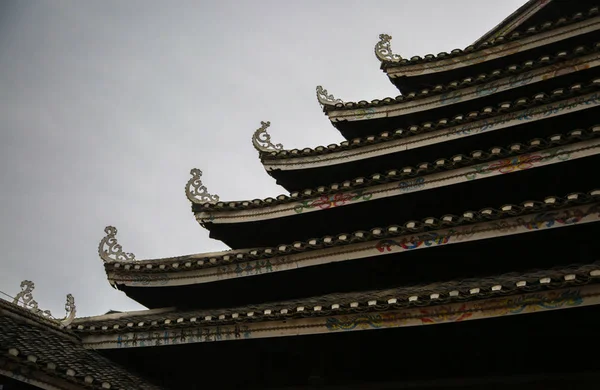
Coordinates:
528 6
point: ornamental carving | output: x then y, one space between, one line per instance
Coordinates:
325 98
383 49
70 309
110 250
25 299
262 140
196 192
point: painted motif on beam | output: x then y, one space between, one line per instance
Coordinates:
413 316
532 114
334 200
518 163
203 334
496 307
538 221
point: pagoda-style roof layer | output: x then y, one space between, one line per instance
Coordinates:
540 106
495 82
487 52
448 116
553 212
395 182
459 300
297 170
39 352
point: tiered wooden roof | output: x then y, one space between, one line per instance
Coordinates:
341 251
576 22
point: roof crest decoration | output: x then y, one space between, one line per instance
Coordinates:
196 192
383 50
25 299
261 140
325 98
109 249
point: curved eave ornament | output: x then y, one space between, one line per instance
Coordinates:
325 98
196 192
261 139
109 249
25 299
383 49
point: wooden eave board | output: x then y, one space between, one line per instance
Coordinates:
348 247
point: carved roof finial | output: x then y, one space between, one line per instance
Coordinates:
325 98
25 299
110 250
70 309
383 49
262 140
196 192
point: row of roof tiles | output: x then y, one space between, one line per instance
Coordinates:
440 164
59 353
439 89
387 62
186 263
486 112
335 304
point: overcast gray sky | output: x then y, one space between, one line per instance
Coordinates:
106 105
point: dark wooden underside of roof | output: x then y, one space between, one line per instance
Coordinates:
550 350
485 258
363 128
301 179
557 9
537 183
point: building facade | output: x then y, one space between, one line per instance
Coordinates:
469 202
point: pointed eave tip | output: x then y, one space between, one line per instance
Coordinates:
383 49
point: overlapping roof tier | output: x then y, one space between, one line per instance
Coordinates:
417 72
457 300
299 169
367 200
156 282
562 67
40 352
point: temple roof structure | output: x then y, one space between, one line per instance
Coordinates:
374 235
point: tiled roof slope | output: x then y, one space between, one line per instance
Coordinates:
42 348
